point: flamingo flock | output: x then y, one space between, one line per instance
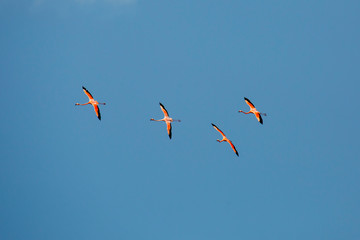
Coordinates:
168 120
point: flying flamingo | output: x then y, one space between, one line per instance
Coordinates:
166 119
253 110
92 102
225 139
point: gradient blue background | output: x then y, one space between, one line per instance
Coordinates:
66 175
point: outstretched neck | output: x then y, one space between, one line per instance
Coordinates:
245 112
78 104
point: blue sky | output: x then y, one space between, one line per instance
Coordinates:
66 175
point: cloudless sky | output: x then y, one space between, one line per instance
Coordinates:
66 175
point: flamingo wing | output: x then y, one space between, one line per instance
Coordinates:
218 130
233 147
164 110
87 93
249 103
97 111
259 118
168 124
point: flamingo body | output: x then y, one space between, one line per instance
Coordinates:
253 110
93 102
225 139
168 120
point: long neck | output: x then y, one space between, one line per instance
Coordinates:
245 112
156 120
82 104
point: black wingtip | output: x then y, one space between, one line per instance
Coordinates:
83 88
246 99
237 154
213 124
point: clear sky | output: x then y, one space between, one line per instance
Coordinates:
66 175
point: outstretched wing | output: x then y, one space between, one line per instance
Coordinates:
87 93
218 129
233 147
259 118
97 111
249 103
164 110
168 124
